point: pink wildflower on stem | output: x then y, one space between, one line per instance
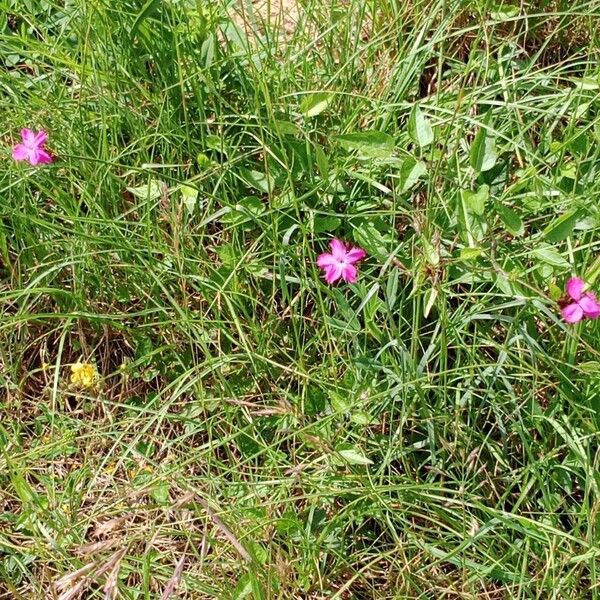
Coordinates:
32 148
339 263
580 304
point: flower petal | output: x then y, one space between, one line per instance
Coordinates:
333 273
20 152
355 254
338 249
27 136
572 313
575 287
43 157
590 306
326 260
40 138
349 273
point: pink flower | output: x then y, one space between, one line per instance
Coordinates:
339 263
32 148
583 305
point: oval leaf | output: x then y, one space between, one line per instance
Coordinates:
368 143
512 221
483 151
475 201
547 254
315 104
354 456
410 172
322 161
419 128
563 227
189 195
367 236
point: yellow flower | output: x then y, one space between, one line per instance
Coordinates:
84 375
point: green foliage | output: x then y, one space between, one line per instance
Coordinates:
427 432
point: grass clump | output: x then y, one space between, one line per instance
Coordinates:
430 431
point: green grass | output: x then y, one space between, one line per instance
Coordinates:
429 432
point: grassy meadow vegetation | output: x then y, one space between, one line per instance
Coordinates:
189 410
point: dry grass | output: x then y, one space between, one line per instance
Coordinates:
255 16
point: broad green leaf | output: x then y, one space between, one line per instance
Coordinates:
243 588
146 12
376 184
203 161
367 236
287 236
351 327
323 223
475 201
563 227
286 127
547 254
20 484
251 204
245 211
340 403
372 306
372 293
368 143
189 195
410 172
160 493
429 300
503 12
348 323
568 170
586 83
152 191
315 104
593 272
470 253
322 162
419 128
289 524
512 221
483 151
215 142
471 210
391 288
580 143
555 292
431 253
228 254
362 418
259 181
354 456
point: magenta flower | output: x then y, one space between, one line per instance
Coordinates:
32 148
580 304
339 263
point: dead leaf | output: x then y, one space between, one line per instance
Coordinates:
94 547
174 581
107 526
70 578
110 587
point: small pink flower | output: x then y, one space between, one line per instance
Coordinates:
32 148
580 304
339 263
